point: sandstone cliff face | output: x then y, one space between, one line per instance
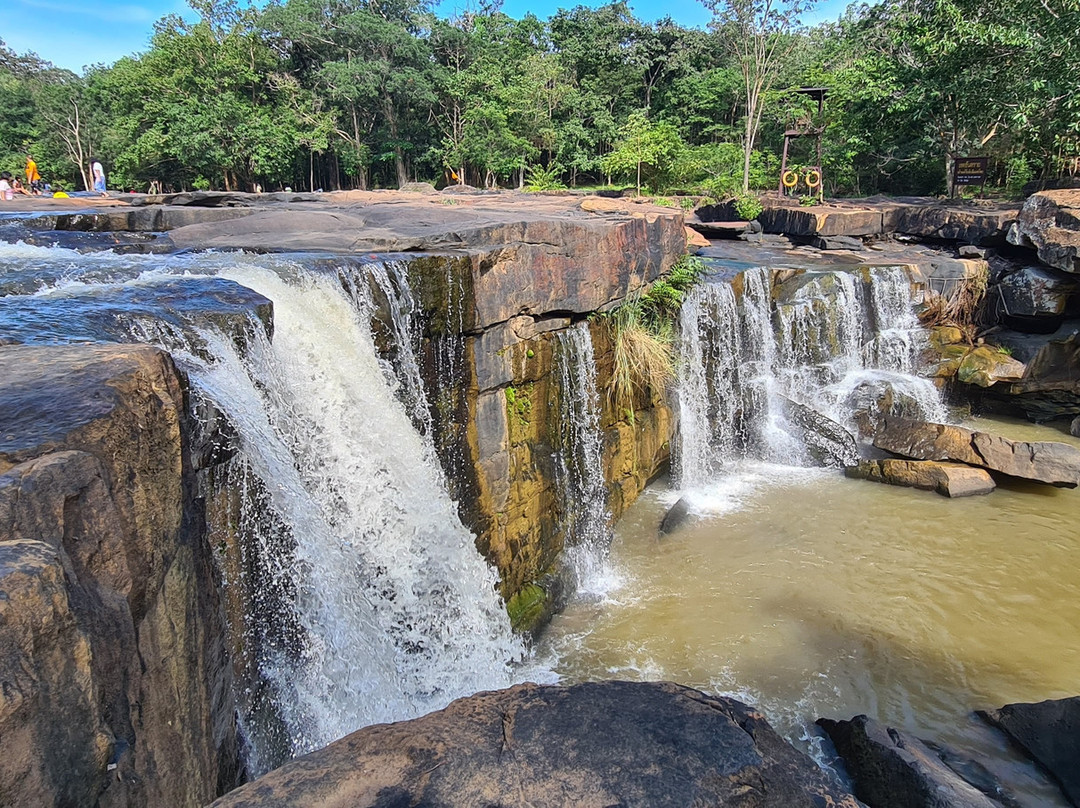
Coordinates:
115 680
496 414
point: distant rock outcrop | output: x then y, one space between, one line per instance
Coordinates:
592 745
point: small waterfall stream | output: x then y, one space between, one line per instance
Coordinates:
580 472
752 367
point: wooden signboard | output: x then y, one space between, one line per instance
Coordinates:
969 171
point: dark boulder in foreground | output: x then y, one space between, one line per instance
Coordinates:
892 769
1043 461
598 744
1050 732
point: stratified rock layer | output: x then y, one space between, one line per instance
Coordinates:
592 745
948 479
1043 461
1050 222
111 640
1050 732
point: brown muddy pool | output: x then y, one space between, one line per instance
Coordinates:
809 595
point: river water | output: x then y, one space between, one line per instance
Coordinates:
795 589
811 595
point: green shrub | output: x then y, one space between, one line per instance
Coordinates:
747 207
538 178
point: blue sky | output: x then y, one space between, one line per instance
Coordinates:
76 33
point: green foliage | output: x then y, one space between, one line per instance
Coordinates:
310 94
747 206
538 178
649 152
519 404
643 330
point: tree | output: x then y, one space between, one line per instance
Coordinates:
758 31
644 148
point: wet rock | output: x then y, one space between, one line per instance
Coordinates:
1043 461
1050 223
873 400
1035 292
1050 388
838 243
948 479
829 443
1050 732
893 769
591 745
984 366
675 517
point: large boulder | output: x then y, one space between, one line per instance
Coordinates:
592 745
1043 461
1036 291
1050 223
1050 732
116 685
985 366
951 222
893 769
948 479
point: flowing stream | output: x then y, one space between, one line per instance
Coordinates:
791 587
811 595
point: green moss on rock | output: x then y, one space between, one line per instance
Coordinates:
527 608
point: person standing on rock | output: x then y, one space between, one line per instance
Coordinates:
97 171
33 176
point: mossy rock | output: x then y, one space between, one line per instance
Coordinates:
527 608
985 365
943 335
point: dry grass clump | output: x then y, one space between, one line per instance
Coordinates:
644 355
961 307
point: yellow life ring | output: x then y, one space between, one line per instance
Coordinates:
790 178
812 178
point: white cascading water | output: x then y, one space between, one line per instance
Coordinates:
580 470
397 612
743 358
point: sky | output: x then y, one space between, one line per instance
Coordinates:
77 33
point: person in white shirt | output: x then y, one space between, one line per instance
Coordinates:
6 191
98 172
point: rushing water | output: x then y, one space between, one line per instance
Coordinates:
791 587
580 473
371 603
812 595
830 338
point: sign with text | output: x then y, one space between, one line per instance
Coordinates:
969 171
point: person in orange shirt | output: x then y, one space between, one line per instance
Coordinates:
33 178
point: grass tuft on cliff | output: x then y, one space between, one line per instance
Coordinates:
643 332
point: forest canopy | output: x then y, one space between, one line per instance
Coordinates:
332 94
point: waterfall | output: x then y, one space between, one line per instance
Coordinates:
580 470
754 371
395 612
363 597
